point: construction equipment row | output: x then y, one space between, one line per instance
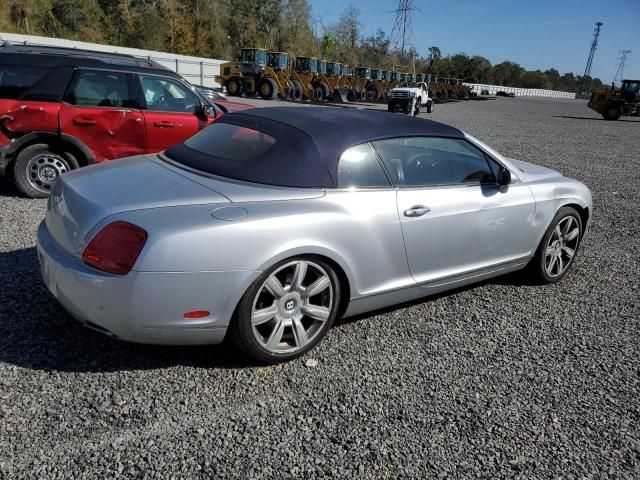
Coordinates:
272 75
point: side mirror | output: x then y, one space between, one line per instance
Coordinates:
206 111
504 176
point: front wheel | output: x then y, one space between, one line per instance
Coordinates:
558 247
287 310
38 166
612 113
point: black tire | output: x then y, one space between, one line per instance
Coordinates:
416 110
537 267
392 106
235 87
612 113
32 161
241 330
372 94
267 89
430 106
352 96
296 93
324 92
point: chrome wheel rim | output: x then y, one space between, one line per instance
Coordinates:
44 169
291 307
562 246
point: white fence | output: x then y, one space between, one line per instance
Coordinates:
196 70
519 92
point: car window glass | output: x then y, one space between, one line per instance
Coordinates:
231 142
16 80
166 95
359 167
99 88
429 161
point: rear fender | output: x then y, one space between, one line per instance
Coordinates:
83 154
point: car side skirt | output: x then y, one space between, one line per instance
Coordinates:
395 297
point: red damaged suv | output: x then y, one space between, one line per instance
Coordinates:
62 109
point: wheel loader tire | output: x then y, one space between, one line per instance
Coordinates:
351 96
296 93
612 113
372 94
235 87
267 89
323 91
363 95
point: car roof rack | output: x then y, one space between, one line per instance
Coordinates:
104 57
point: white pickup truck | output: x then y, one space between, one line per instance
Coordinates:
410 100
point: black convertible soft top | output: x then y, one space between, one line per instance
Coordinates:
309 142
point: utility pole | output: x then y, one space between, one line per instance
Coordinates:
622 59
594 45
402 31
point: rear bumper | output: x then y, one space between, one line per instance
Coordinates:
142 307
4 159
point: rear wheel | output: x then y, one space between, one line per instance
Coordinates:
558 247
430 106
234 87
38 166
296 92
372 94
287 310
612 113
268 89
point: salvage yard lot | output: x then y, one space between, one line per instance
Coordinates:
503 379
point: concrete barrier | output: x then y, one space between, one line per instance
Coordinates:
197 70
519 92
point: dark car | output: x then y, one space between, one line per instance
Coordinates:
502 93
61 109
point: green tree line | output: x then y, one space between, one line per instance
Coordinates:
218 28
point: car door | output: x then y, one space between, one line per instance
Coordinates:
367 231
99 110
172 111
455 218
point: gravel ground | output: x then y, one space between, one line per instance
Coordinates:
504 379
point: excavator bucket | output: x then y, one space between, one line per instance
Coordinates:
340 95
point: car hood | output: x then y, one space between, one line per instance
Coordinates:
529 172
232 107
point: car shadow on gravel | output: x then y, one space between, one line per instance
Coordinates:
594 118
36 332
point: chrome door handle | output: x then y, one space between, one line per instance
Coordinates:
416 211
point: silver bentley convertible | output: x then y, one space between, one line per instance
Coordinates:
271 223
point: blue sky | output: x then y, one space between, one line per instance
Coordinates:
537 35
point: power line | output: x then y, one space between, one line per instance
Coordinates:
402 32
622 59
594 46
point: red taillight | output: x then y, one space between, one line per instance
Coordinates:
115 248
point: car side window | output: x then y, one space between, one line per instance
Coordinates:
359 167
100 88
17 79
167 95
431 161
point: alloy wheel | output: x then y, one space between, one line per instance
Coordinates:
562 246
291 307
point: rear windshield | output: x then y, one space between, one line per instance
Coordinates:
232 142
254 149
16 80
